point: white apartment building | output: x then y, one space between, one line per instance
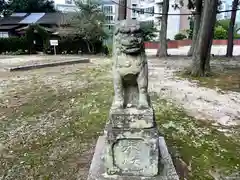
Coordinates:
111 12
225 5
65 5
110 9
148 11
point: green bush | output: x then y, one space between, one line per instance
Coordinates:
220 33
24 45
180 36
107 49
237 36
77 45
13 44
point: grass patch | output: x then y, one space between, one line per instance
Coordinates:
49 136
227 79
199 143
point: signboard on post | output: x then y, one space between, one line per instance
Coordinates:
54 43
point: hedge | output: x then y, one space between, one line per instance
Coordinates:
180 36
66 46
78 45
13 44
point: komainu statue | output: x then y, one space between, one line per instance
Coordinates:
131 147
130 69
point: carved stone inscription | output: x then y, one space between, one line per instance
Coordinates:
132 155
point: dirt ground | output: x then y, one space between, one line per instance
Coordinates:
222 107
50 119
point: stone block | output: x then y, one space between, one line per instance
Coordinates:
97 169
132 118
134 152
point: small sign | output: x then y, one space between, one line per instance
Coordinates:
54 42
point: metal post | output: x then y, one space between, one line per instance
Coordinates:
55 52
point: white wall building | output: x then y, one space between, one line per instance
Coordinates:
225 5
176 23
65 5
110 9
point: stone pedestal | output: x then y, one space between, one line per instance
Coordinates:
132 149
97 169
132 146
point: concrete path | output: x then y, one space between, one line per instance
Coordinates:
16 63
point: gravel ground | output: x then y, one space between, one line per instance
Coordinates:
200 102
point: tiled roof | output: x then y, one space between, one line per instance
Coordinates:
32 18
53 18
57 18
11 20
8 27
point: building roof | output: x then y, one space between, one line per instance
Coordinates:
8 27
11 20
32 18
57 18
53 18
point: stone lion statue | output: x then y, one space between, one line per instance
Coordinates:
130 68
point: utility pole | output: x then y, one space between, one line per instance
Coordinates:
122 10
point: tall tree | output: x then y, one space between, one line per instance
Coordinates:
231 28
197 21
201 54
162 51
3 6
88 22
31 6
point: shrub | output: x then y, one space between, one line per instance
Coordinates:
220 33
68 45
236 36
107 49
13 44
19 45
180 36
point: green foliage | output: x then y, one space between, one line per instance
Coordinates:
149 31
190 31
31 6
88 22
31 36
220 33
19 45
13 44
44 35
2 6
237 36
180 36
108 49
69 45
225 25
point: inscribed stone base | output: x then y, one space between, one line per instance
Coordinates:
132 152
132 118
97 171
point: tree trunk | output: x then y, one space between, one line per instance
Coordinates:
162 50
231 29
207 63
122 10
197 21
203 43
